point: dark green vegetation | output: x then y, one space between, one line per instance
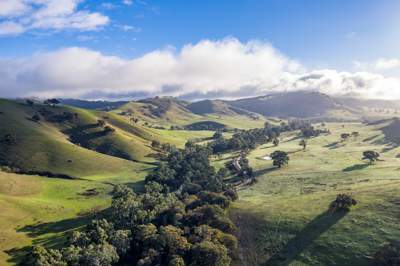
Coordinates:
178 220
205 125
120 185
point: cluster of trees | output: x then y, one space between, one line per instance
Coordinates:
249 139
205 125
308 131
179 219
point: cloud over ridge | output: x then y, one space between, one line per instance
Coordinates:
209 68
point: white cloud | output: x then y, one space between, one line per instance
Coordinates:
127 2
23 15
12 8
11 28
226 68
385 64
381 65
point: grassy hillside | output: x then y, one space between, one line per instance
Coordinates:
37 209
285 212
166 112
43 147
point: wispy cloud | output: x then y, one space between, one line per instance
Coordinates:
18 16
223 68
127 2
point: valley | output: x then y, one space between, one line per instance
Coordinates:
58 173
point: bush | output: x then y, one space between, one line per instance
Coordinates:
343 202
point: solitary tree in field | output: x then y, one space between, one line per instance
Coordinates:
101 123
275 142
303 143
343 202
355 134
372 156
279 158
345 136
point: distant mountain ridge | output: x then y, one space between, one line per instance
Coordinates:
298 104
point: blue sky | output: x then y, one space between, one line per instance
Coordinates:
320 32
340 34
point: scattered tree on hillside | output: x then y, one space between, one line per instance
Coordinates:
279 158
101 123
134 120
275 142
108 129
155 144
343 202
303 143
344 136
355 134
35 118
372 156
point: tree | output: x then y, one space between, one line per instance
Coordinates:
155 144
29 102
275 142
355 134
217 135
101 123
35 118
51 102
279 158
372 156
343 202
345 136
303 143
207 253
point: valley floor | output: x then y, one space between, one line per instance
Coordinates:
283 219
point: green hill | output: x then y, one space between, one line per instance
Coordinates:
47 145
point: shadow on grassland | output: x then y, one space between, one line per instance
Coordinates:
305 238
60 230
356 167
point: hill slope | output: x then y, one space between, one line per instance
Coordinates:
47 145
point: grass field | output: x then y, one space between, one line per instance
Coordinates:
282 219
37 209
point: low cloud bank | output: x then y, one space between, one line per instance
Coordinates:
208 69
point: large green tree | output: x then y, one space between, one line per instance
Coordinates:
279 158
